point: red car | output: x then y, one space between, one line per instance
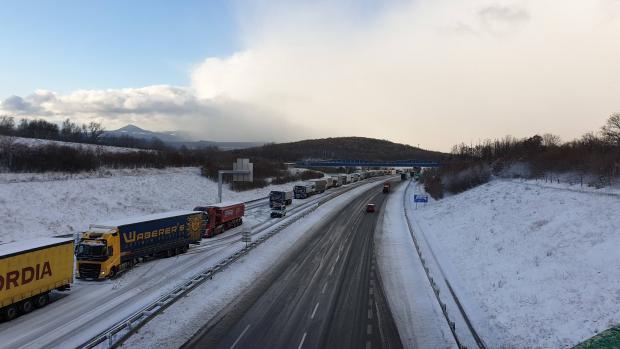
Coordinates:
370 208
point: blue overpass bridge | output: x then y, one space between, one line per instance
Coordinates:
367 163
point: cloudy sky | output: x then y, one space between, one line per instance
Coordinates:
427 72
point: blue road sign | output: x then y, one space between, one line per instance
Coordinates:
420 198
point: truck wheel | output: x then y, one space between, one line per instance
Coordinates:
112 272
42 300
26 306
10 312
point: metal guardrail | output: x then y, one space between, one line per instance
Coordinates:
455 298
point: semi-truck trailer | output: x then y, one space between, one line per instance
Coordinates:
403 176
280 198
303 191
108 248
30 270
319 185
222 216
386 187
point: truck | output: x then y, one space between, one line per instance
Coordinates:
403 176
221 217
336 181
278 210
386 187
319 185
280 197
303 191
109 248
343 179
30 270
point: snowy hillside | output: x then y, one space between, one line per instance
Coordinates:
536 266
35 142
47 206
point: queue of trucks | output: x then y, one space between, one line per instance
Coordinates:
30 270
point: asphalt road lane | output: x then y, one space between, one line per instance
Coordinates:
325 294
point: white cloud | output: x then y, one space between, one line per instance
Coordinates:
431 72
158 107
428 72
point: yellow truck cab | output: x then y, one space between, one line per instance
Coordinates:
95 253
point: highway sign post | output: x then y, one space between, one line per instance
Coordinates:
243 171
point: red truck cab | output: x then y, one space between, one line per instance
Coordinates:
221 217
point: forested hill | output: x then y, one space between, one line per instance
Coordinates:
343 148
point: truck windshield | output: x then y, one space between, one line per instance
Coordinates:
90 250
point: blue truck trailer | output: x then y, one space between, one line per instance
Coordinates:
108 248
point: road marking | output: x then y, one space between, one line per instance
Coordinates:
369 314
314 311
369 302
302 340
369 329
324 287
371 291
331 270
368 346
239 338
337 257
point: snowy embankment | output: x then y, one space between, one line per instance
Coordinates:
535 266
62 204
416 312
37 142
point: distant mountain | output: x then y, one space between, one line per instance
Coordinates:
139 133
176 138
341 148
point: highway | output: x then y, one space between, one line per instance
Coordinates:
323 294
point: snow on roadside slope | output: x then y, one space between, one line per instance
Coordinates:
541 264
66 206
416 312
37 142
185 317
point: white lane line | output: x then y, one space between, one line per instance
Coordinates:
337 257
369 329
239 338
314 311
368 346
369 314
302 340
324 287
331 270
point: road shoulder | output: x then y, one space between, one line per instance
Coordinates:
415 310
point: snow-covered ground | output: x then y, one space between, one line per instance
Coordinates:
36 142
535 265
416 312
58 204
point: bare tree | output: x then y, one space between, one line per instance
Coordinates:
551 140
611 130
95 130
7 125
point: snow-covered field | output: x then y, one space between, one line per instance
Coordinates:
57 204
537 266
36 142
